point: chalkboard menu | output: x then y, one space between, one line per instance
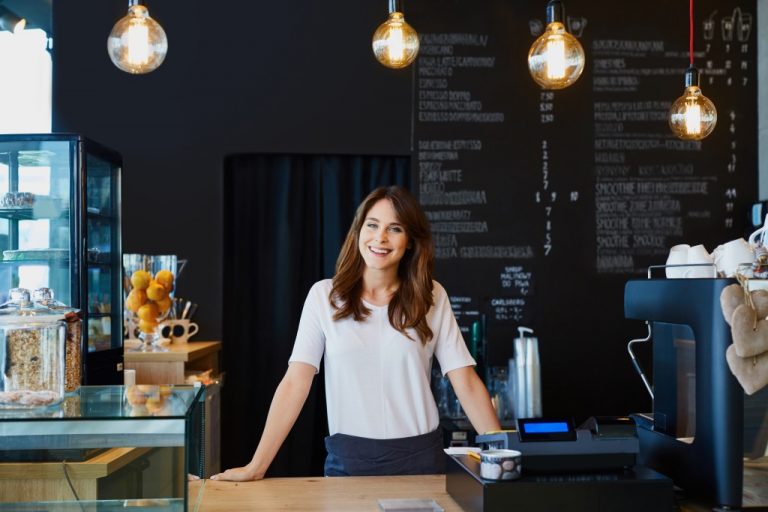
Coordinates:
544 203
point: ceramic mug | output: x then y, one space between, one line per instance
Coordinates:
729 256
678 255
698 255
179 331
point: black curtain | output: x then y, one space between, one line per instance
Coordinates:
285 218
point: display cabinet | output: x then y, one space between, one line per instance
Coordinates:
60 229
104 448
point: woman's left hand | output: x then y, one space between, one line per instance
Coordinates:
242 474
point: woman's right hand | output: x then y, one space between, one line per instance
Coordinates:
242 474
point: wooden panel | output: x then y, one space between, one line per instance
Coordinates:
12 491
45 481
157 372
176 352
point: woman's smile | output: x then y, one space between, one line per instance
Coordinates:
383 240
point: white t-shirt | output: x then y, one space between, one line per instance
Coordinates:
376 379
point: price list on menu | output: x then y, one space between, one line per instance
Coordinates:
543 203
653 190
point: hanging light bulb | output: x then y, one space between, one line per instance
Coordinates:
137 43
395 42
692 116
10 21
556 58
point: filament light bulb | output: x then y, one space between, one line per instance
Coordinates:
556 59
692 116
137 43
395 42
10 21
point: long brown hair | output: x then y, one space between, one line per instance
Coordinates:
410 303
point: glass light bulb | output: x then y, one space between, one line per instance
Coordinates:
20 25
556 59
137 43
692 116
395 42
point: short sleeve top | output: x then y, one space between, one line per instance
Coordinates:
377 380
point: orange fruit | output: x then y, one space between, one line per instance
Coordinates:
149 312
140 279
147 327
156 291
135 300
135 396
165 278
164 304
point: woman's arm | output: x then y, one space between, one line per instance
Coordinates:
474 399
289 398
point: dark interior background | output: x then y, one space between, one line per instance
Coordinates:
240 78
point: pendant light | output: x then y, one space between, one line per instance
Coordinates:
137 43
10 21
556 58
395 42
692 116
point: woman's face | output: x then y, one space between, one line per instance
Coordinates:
382 238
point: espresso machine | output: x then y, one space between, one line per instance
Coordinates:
699 431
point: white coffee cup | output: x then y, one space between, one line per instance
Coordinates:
179 331
698 255
731 255
678 255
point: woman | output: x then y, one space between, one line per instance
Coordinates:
378 323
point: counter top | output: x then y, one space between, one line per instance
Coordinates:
177 352
357 494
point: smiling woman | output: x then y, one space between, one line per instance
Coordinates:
25 90
377 324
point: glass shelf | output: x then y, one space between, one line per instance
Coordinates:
30 214
125 446
60 229
160 505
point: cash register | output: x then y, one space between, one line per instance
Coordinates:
592 467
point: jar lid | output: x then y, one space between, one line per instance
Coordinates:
44 297
20 309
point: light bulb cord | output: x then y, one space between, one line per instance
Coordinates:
690 31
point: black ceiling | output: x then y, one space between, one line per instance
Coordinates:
36 12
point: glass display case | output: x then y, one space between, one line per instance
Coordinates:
104 448
60 229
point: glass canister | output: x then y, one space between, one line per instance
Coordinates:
73 348
31 353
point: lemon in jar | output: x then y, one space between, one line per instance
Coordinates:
135 300
140 279
149 312
164 304
147 327
165 279
156 292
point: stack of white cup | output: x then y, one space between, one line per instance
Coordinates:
724 260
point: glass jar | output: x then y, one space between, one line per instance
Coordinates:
31 353
73 351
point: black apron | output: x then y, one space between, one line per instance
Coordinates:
360 456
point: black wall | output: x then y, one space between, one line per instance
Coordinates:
240 77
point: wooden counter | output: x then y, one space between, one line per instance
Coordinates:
168 367
357 494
